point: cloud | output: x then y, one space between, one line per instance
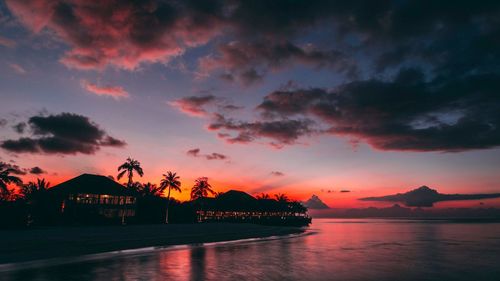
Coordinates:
65 133
115 92
196 106
6 42
193 105
16 170
345 191
3 122
123 34
280 132
250 61
195 152
277 173
17 68
407 113
37 171
19 127
426 197
256 36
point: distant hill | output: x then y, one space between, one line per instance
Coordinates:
425 196
315 203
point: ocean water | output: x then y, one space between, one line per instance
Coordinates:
331 249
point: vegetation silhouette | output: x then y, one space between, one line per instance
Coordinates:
201 189
170 181
129 167
96 200
6 178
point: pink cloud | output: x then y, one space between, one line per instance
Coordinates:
123 34
116 92
193 105
17 68
6 42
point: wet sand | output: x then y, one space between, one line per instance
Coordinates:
56 242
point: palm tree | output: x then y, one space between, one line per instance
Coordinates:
34 193
263 196
170 181
6 178
280 197
201 188
129 167
150 189
33 189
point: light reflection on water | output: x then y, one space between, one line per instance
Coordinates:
340 250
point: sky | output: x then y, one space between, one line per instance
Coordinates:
297 97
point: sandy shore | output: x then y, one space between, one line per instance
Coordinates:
55 242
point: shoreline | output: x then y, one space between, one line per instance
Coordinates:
52 243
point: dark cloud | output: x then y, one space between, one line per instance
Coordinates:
197 105
19 127
448 37
3 122
37 171
64 133
122 33
194 105
407 113
250 61
280 132
16 170
345 191
195 152
426 197
277 173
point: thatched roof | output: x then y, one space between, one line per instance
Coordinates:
92 184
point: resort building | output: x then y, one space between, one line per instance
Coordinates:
94 199
238 206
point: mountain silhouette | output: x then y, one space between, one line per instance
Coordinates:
315 203
425 196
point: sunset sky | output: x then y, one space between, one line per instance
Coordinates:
296 97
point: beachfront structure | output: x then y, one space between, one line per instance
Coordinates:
238 206
93 199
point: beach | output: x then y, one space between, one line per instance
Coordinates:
56 242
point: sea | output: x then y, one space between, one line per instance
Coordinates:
330 249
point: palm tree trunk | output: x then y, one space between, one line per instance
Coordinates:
168 203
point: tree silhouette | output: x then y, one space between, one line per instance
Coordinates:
263 196
6 178
129 167
33 190
280 197
201 188
170 181
150 189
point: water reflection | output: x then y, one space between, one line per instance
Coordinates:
341 250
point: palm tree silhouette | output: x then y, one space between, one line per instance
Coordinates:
34 189
171 181
34 193
280 197
263 196
150 189
129 167
6 178
201 188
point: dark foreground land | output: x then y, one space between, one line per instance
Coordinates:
55 242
